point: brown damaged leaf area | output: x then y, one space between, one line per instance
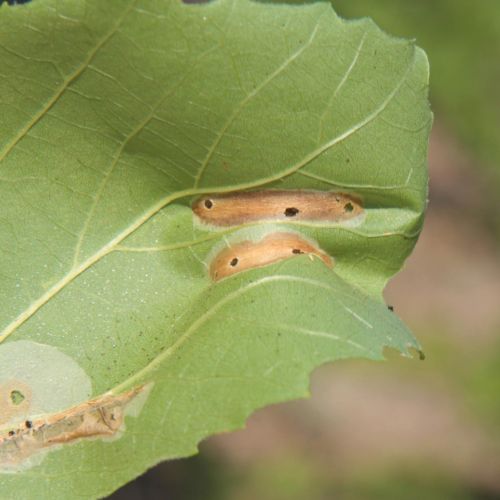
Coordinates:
272 248
101 417
15 397
299 205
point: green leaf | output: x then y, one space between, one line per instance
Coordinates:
453 35
114 117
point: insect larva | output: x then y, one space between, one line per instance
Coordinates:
272 248
301 205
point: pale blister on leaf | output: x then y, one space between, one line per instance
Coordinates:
37 378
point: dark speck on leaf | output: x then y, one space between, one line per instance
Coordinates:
291 211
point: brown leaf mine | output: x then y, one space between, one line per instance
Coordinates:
298 205
15 400
272 248
102 417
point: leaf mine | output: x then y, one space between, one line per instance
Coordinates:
38 379
277 205
15 400
102 417
270 249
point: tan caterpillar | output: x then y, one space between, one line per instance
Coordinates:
272 248
293 205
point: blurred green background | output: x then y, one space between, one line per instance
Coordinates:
404 429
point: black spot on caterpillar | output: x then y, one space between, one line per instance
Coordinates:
250 206
272 248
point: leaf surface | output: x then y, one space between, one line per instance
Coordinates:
114 118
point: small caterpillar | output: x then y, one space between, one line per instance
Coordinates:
301 205
272 248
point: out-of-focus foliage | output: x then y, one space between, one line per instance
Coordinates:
482 386
295 478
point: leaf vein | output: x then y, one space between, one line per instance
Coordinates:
167 353
106 249
245 101
66 83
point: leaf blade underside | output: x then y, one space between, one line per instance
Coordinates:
128 113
